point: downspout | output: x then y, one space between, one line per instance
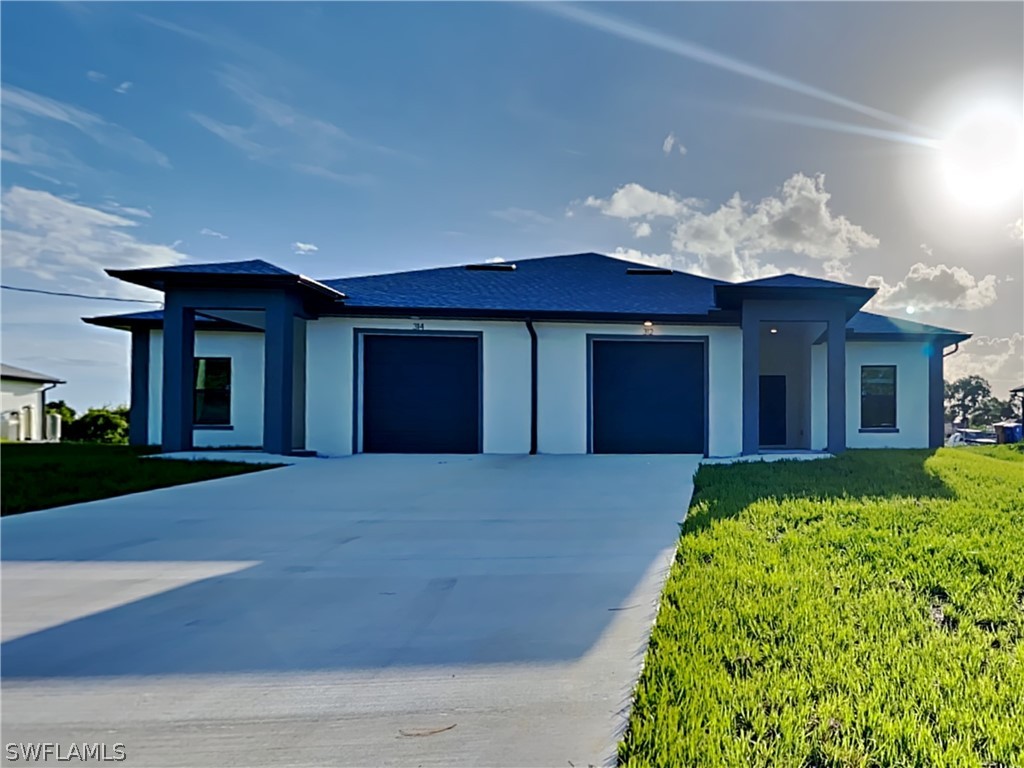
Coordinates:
953 351
42 416
533 387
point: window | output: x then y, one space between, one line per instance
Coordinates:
212 400
878 397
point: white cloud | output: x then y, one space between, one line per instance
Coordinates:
96 77
641 229
515 215
56 239
124 87
300 248
1017 229
126 210
730 241
632 201
797 220
934 287
213 233
671 142
1000 360
31 109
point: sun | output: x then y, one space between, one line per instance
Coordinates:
983 157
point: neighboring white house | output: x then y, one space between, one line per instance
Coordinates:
23 403
565 354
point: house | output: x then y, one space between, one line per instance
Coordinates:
23 403
563 354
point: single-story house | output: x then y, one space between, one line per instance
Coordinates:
23 403
564 354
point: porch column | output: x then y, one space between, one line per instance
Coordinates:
179 361
936 397
138 414
751 405
284 376
836 440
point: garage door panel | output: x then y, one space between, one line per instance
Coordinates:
421 394
647 396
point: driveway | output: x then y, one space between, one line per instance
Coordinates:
369 611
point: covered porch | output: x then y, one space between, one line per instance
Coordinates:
253 296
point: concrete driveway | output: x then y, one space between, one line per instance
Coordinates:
370 611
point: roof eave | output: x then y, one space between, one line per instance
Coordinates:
158 280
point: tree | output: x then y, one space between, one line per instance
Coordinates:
100 425
964 396
991 410
67 413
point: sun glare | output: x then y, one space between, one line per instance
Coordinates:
983 157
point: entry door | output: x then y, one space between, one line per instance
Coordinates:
420 394
773 410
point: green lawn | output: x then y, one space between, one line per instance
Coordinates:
860 611
51 475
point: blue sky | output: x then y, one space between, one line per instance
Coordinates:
734 140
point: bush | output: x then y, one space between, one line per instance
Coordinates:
100 425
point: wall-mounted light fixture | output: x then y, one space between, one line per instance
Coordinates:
775 330
648 327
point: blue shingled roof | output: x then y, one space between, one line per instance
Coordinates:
584 283
789 280
249 267
578 284
868 322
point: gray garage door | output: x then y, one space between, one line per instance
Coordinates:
647 396
421 394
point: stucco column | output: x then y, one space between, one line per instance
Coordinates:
179 362
284 392
836 441
936 398
138 414
751 405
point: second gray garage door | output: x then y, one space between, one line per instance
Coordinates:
648 396
420 394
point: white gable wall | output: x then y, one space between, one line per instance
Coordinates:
16 395
246 353
330 380
911 361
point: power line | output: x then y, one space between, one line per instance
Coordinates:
77 295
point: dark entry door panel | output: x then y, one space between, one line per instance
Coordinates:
772 410
421 394
647 396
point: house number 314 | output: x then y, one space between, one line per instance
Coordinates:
417 326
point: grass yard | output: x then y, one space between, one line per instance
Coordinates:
860 611
51 475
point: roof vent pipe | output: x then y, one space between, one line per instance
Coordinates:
492 266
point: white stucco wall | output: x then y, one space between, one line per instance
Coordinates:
562 383
246 353
911 361
330 380
16 395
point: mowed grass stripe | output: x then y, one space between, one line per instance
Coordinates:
40 476
866 610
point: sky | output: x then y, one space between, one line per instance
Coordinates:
876 143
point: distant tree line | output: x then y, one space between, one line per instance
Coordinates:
108 424
969 401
